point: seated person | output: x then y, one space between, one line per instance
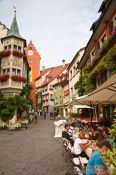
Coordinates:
71 130
66 135
96 165
80 146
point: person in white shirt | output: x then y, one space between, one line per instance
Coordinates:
80 147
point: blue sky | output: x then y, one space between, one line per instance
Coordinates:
58 28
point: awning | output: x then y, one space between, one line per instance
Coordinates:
82 106
105 94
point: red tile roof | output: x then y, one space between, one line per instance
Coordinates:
54 72
43 73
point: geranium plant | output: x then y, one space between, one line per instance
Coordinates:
5 53
4 77
17 53
18 78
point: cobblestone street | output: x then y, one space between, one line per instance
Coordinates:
34 151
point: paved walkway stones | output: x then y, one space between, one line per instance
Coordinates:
32 151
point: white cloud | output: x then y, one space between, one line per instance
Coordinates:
58 28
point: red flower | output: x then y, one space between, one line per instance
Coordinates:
17 53
18 78
5 53
4 77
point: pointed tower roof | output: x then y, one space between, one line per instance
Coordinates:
14 30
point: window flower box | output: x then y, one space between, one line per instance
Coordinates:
18 78
5 53
17 53
4 77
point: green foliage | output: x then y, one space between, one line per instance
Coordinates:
8 106
110 60
96 59
109 156
86 69
7 109
26 90
98 68
107 45
89 84
80 86
113 132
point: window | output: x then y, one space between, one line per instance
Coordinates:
4 71
101 78
13 71
97 49
71 75
19 48
30 60
9 47
18 72
8 71
74 71
92 54
5 47
71 91
15 47
112 24
103 39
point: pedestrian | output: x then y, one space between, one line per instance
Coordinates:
44 114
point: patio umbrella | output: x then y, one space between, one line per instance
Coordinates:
105 94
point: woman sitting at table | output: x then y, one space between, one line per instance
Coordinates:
81 145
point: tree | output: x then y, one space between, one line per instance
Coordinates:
21 104
7 110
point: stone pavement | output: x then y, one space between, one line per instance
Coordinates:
32 151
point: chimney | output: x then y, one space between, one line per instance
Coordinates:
43 68
63 62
